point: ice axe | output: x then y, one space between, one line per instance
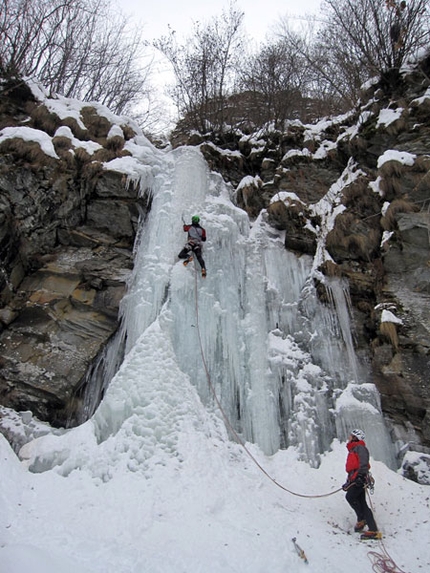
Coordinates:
299 550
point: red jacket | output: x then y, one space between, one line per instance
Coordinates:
357 462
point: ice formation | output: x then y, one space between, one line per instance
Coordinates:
282 364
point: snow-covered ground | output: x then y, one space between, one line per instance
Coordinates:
204 508
153 483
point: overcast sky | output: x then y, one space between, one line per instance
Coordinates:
156 15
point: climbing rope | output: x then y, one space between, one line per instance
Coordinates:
382 562
227 421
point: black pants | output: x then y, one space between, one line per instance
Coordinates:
356 497
196 250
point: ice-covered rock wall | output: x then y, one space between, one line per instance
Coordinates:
281 363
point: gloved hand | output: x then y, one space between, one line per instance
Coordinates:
346 485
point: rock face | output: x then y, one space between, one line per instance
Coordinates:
66 239
401 370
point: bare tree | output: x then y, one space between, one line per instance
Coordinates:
382 34
357 40
336 68
277 78
204 68
323 90
77 48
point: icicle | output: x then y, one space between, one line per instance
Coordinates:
98 378
339 294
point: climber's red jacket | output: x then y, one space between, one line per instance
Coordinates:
357 462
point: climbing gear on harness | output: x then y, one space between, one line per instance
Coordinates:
370 483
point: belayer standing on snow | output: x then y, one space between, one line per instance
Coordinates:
194 245
357 467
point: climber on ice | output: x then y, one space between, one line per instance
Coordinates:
194 245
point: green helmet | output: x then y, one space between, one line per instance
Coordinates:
195 219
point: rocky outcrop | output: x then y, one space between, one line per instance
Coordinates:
67 232
401 365
57 324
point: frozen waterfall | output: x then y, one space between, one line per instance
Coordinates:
282 364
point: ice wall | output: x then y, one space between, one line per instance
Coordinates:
282 364
277 358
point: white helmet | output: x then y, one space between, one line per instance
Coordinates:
359 434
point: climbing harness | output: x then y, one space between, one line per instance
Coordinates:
227 421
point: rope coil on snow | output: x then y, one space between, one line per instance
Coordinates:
382 562
227 421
